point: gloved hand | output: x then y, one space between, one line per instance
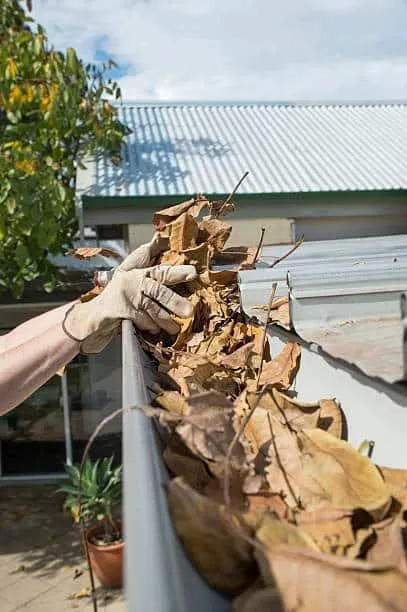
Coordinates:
141 295
142 257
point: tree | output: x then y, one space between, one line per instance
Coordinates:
54 109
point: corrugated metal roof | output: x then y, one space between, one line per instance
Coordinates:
184 148
345 296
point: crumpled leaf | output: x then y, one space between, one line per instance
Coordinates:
214 232
282 369
183 233
172 401
389 547
88 252
211 431
259 600
313 582
333 531
191 373
84 592
315 470
193 206
273 532
190 468
221 278
213 538
92 293
239 358
186 324
198 256
396 482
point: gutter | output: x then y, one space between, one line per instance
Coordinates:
158 574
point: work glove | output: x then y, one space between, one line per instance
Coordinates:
142 257
141 295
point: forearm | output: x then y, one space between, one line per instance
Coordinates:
33 328
29 364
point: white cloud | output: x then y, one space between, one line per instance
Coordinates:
266 49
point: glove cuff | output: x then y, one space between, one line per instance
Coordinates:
82 324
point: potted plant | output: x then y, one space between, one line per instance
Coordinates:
100 497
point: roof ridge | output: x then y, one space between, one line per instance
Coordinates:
275 103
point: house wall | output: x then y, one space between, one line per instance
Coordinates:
317 216
374 410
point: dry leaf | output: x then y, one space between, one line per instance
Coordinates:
172 401
259 600
84 592
239 358
214 232
190 468
338 475
193 206
191 373
389 545
211 432
332 531
183 233
309 582
198 256
220 278
281 370
186 324
273 532
213 538
88 252
396 482
92 293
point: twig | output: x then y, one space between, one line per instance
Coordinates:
263 231
264 338
294 248
230 196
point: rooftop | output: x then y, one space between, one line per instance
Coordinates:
346 297
183 148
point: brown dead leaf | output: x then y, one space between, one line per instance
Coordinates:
259 600
311 582
235 256
172 401
84 592
173 258
198 256
396 482
214 232
219 278
315 470
191 372
186 325
273 532
280 371
239 358
333 532
183 233
211 432
335 474
213 538
88 252
193 206
389 545
92 293
191 469
331 418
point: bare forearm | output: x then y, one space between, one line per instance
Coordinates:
27 366
33 328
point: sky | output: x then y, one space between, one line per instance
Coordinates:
282 50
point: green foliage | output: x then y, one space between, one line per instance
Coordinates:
101 494
53 112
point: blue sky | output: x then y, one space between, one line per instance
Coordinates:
235 50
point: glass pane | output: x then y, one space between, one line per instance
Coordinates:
32 435
94 384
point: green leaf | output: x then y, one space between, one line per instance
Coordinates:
11 204
2 228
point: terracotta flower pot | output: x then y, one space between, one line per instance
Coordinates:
106 561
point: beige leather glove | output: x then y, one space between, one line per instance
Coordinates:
143 257
139 295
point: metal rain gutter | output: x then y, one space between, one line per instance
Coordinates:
158 574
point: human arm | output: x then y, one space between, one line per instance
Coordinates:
28 364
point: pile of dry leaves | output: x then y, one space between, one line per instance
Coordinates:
274 507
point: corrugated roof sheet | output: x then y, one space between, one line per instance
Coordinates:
345 296
184 148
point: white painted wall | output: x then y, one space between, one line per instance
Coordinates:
374 410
